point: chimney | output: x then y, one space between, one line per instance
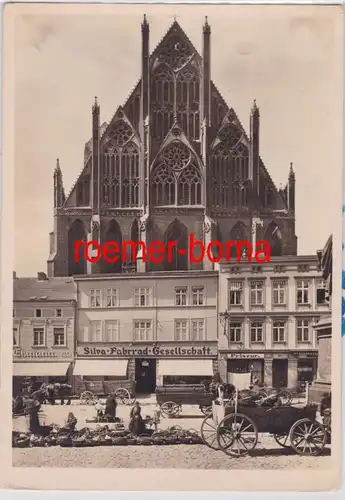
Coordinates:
41 276
14 275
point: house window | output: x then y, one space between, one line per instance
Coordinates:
198 330
59 336
111 297
38 313
58 313
95 298
235 294
279 292
303 330
256 331
181 296
39 337
181 330
142 297
95 331
198 295
235 332
142 331
320 292
302 292
112 331
256 293
15 336
278 331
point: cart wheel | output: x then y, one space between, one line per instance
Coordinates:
207 410
130 401
282 440
208 433
285 397
88 398
237 435
308 437
122 395
170 409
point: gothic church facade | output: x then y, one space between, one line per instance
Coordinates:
174 160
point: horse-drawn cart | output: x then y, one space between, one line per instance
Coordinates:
171 398
234 428
91 391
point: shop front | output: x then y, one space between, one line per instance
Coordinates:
252 363
307 364
148 365
32 367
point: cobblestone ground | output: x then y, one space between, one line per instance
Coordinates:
268 455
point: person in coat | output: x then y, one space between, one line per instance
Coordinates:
32 408
136 423
110 407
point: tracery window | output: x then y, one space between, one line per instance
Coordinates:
221 176
230 135
176 53
239 235
162 102
177 179
188 102
121 171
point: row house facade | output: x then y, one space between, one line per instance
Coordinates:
153 328
43 329
266 318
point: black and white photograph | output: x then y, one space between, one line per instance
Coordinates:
177 187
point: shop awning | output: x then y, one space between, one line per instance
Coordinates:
187 367
40 369
101 367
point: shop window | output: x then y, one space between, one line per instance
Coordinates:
95 331
181 296
279 293
183 380
59 336
235 332
303 330
320 292
95 298
303 292
306 370
198 295
15 336
235 294
142 297
143 331
256 331
58 313
198 330
279 331
38 313
239 366
256 293
39 337
181 330
112 331
111 297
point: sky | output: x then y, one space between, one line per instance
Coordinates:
288 58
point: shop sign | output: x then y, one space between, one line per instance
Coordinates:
245 355
153 351
19 353
305 354
280 355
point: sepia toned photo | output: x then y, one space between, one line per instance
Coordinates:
177 177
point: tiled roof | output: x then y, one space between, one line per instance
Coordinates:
49 289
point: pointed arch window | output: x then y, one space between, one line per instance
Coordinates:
274 237
188 101
239 234
221 176
112 234
176 180
162 101
178 260
121 176
76 263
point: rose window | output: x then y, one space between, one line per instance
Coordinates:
177 156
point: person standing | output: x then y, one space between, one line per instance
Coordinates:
110 407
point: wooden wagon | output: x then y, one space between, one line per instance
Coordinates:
234 429
91 391
171 398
